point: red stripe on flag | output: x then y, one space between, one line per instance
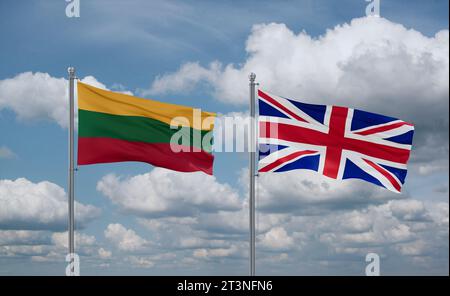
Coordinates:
309 136
107 150
332 162
383 128
336 134
384 173
287 158
275 103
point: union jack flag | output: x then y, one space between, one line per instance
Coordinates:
338 142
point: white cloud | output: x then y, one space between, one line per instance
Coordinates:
61 240
124 239
307 192
237 223
140 262
439 213
163 259
167 193
213 253
325 220
393 223
36 96
370 50
415 248
355 221
117 87
91 80
23 237
408 232
277 239
371 64
378 237
27 205
409 210
6 153
24 250
191 242
39 96
162 224
43 246
104 254
339 226
185 79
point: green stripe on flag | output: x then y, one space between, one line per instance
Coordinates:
133 128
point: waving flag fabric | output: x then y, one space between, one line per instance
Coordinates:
115 127
338 142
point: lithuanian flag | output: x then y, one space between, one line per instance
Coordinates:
114 127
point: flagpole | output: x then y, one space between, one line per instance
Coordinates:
252 150
71 71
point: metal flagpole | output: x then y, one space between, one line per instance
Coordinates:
252 149
71 71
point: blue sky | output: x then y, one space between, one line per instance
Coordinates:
134 45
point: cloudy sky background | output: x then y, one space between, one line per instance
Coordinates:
136 219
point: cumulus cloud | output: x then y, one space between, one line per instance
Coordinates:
60 239
370 50
40 96
409 210
140 262
370 63
407 230
185 79
43 246
36 96
104 254
23 237
124 239
25 205
24 250
167 193
214 253
439 212
277 239
304 219
308 193
175 207
185 234
394 224
318 220
236 223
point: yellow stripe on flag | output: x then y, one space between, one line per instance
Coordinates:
98 100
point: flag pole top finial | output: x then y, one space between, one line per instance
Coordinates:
252 77
71 71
